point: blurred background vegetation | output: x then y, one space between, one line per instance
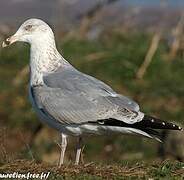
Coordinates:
134 46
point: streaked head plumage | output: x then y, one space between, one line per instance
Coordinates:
30 31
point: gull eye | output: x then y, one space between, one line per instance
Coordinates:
28 27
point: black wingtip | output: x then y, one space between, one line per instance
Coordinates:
155 123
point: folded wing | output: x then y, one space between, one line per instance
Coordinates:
72 97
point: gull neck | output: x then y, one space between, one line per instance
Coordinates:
44 59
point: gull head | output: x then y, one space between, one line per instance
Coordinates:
31 31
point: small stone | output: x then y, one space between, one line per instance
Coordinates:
163 123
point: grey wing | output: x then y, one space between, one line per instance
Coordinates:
77 82
69 108
77 98
63 106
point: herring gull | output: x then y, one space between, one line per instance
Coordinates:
75 103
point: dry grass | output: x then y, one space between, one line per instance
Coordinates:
173 170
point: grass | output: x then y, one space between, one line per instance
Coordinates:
157 170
